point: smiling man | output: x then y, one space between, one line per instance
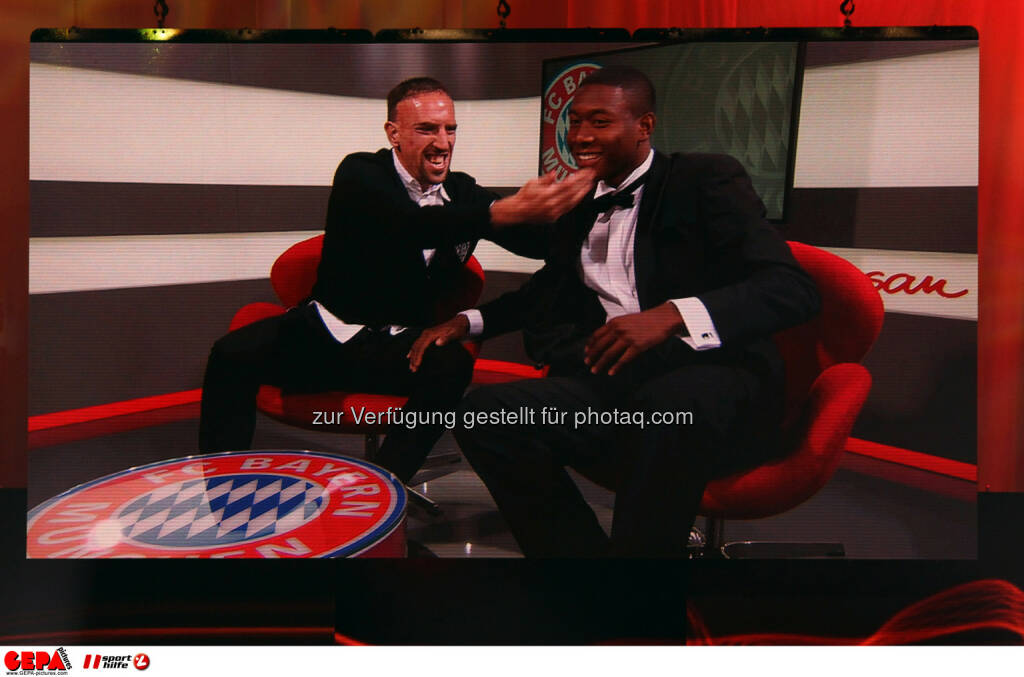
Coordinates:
425 138
654 311
400 226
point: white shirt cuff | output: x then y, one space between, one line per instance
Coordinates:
703 335
476 322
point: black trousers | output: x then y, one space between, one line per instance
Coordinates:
296 352
660 468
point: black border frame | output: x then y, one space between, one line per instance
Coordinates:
74 34
838 598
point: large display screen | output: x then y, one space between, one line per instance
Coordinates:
167 177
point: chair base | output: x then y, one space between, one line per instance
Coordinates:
423 501
713 545
433 468
446 458
429 474
696 544
773 550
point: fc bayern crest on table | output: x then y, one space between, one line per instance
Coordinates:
258 504
555 155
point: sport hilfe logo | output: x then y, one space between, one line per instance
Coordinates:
37 662
139 661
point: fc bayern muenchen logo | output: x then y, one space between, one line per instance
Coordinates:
240 504
554 146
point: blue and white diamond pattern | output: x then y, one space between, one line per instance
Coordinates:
562 136
222 510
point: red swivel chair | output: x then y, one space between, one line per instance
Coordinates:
825 390
292 276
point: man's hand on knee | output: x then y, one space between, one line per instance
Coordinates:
454 329
624 338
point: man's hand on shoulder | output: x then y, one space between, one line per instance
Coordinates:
624 338
543 200
454 329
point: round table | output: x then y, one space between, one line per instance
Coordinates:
254 504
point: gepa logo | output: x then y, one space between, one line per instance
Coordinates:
36 662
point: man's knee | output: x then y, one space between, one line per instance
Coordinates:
223 351
451 362
483 398
698 398
231 350
476 402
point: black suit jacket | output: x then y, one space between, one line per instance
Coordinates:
372 270
700 232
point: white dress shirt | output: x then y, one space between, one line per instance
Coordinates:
606 265
433 195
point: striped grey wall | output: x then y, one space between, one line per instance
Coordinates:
924 219
93 347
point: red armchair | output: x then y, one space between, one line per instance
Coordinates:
825 390
292 276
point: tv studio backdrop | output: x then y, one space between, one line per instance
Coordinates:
166 178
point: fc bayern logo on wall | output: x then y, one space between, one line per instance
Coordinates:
257 504
554 146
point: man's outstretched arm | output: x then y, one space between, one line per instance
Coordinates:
360 195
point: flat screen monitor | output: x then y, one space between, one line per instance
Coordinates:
737 98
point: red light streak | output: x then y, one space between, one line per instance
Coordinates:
987 605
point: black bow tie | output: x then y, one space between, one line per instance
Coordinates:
620 198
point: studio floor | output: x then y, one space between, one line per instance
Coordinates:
876 509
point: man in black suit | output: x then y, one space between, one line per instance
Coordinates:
659 294
399 228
